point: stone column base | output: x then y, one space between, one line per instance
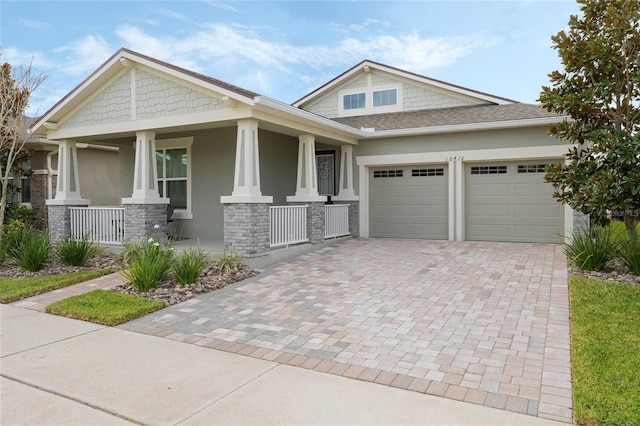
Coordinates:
354 218
247 228
315 220
59 223
140 221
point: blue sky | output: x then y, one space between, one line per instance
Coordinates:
285 49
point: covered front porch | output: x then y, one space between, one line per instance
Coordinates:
199 159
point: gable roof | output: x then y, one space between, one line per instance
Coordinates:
123 58
476 114
367 64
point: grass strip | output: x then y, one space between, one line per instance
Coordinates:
105 307
605 351
12 289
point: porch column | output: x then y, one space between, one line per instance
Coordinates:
346 192
67 194
246 210
307 179
145 209
307 188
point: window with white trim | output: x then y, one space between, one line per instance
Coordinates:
385 97
173 160
370 100
354 101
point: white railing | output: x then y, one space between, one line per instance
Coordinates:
336 220
103 225
288 225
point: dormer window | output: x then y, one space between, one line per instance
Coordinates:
354 101
370 100
385 97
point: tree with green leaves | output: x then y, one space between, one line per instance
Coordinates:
15 90
599 89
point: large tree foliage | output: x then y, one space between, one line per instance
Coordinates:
15 90
599 89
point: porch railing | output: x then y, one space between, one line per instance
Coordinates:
103 225
288 225
336 220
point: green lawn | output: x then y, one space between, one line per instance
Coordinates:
105 307
12 289
605 352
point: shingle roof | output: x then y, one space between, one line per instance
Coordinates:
447 116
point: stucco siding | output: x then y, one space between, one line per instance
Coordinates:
213 161
453 142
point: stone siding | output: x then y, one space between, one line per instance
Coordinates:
247 229
580 221
39 195
140 221
354 218
59 223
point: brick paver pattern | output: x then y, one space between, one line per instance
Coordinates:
486 323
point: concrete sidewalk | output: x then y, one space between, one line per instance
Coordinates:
61 371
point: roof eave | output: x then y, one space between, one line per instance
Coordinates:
466 127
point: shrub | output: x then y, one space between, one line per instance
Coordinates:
132 251
31 250
189 265
11 236
228 261
76 252
629 254
17 212
148 265
591 249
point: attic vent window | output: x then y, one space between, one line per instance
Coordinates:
387 173
354 101
385 97
489 170
531 168
427 172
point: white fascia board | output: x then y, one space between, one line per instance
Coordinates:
230 114
546 152
197 83
305 120
404 75
457 128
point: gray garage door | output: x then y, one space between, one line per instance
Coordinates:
511 202
409 202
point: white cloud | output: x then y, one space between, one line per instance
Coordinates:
222 6
173 14
83 56
36 25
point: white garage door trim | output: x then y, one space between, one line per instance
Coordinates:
409 201
510 201
456 175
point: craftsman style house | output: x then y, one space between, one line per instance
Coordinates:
376 152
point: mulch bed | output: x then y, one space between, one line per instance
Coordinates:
212 278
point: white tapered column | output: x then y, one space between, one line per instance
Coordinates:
345 190
145 176
307 179
68 181
246 181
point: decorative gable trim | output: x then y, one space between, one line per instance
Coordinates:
367 66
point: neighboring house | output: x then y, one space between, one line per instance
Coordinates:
97 167
413 157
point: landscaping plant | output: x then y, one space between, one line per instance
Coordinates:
189 264
72 252
228 260
629 254
591 249
148 265
30 248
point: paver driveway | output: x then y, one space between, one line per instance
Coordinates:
485 323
